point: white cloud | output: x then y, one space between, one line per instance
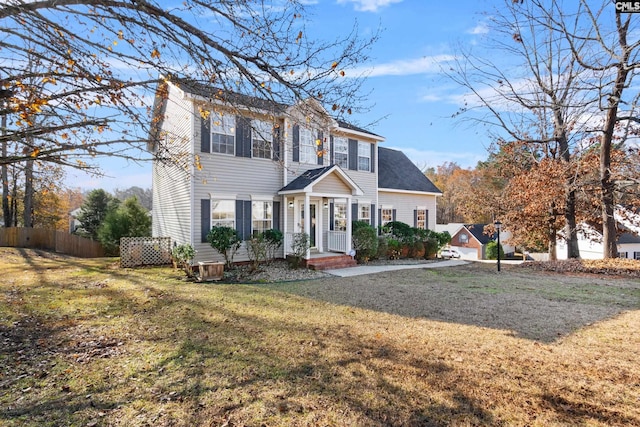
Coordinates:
424 65
481 28
369 5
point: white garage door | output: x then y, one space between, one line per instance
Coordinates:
467 253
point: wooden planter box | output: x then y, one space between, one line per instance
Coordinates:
210 271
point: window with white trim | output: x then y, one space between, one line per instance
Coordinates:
364 156
636 255
386 216
463 238
308 150
261 139
421 219
341 151
223 213
223 133
261 216
622 254
364 213
340 217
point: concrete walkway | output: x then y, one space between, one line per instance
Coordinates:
371 269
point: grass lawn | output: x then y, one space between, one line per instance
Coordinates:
85 343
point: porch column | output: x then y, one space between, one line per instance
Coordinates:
285 221
349 224
307 222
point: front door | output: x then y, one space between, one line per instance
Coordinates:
313 229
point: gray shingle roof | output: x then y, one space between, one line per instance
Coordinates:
396 171
478 232
305 179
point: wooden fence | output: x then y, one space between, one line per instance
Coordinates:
52 240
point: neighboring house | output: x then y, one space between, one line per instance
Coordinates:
292 168
74 224
471 241
590 244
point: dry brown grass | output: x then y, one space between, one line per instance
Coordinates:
85 343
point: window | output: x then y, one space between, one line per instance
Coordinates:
223 213
308 153
622 254
340 217
386 216
341 152
261 216
463 238
364 156
223 133
364 213
261 138
421 219
636 255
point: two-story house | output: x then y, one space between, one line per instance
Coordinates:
254 165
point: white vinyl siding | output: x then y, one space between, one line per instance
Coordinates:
405 205
172 207
261 139
341 152
223 133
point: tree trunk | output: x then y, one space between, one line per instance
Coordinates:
553 255
573 251
609 234
28 195
6 210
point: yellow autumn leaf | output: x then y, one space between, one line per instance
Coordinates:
342 73
155 53
35 152
120 35
334 65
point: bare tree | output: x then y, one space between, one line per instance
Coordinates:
534 95
99 63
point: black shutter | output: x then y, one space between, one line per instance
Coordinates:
296 143
331 213
373 157
353 155
373 215
205 135
415 217
426 219
354 212
205 219
276 216
243 137
243 219
379 217
393 215
331 156
320 149
276 143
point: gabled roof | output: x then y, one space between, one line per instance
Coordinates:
304 182
397 172
477 230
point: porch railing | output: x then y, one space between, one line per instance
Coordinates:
337 241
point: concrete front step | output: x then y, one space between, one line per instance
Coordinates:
331 262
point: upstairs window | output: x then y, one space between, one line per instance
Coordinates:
364 156
341 152
261 139
223 133
463 238
308 152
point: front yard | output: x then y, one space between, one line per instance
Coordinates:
89 344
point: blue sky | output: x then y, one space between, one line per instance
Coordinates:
412 102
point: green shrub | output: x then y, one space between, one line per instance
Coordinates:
394 248
299 247
257 248
383 247
129 219
417 249
274 239
431 248
226 241
492 250
365 241
183 256
399 231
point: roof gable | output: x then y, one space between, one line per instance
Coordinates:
396 171
305 182
477 230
